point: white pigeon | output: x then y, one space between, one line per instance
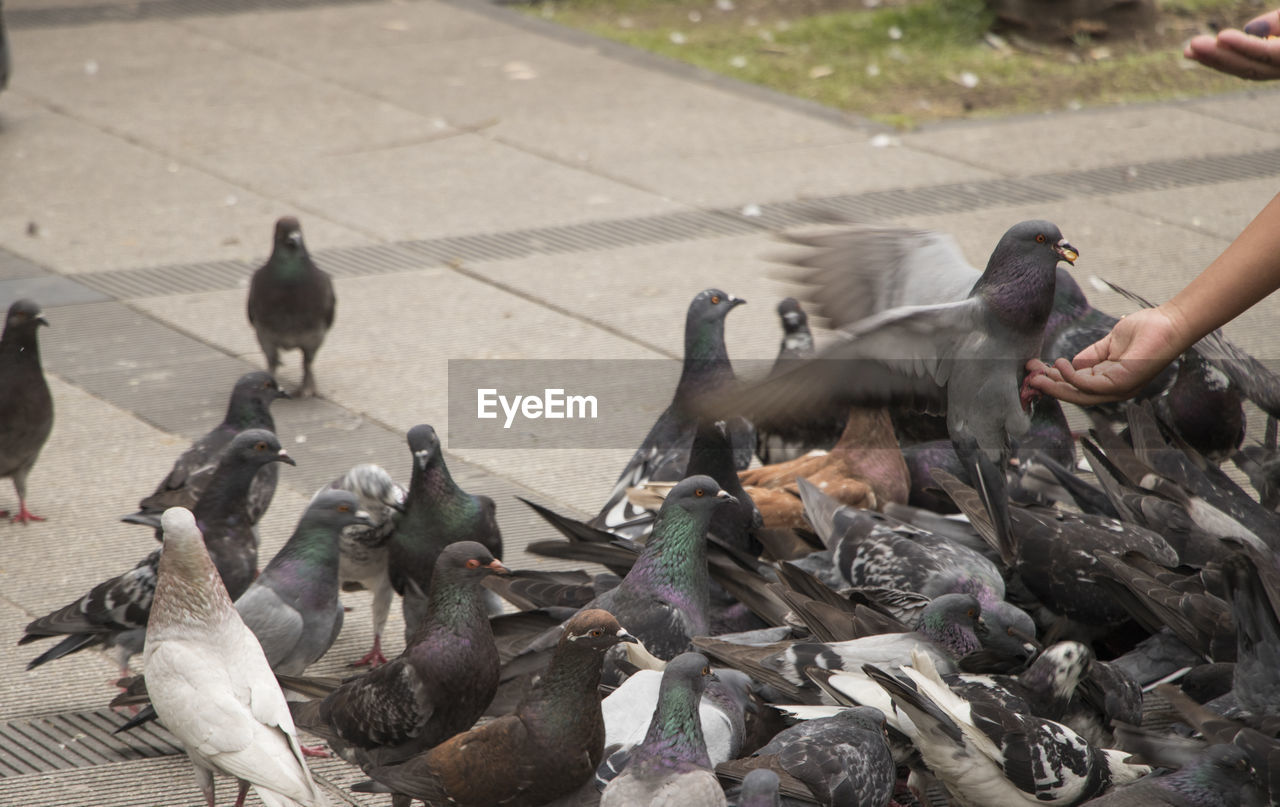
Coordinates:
209 680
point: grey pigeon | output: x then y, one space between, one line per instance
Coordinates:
821 432
210 683
291 302
363 563
437 512
1216 778
26 407
986 755
671 766
629 709
292 607
844 760
249 408
439 685
549 748
663 456
664 599
965 359
114 613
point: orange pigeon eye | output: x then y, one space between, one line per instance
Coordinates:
715 299
597 633
472 563
1040 238
699 493
344 508
260 446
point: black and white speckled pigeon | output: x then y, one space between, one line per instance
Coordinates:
629 709
948 630
293 607
671 766
985 754
877 551
249 408
210 683
819 433
663 456
437 512
114 613
26 407
291 302
548 748
965 359
439 685
1216 778
844 760
363 563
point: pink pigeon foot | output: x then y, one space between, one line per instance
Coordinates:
24 515
373 658
316 751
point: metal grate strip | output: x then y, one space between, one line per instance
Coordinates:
77 740
703 224
60 16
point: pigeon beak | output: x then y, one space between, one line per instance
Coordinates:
280 393
1066 252
284 457
791 318
734 302
497 568
294 238
363 518
40 320
728 497
623 636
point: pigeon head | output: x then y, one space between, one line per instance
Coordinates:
697 494
793 317
704 326
24 318
1019 281
425 446
373 485
1059 669
467 560
594 629
1009 632
258 447
952 621
759 789
288 236
337 509
259 386
865 717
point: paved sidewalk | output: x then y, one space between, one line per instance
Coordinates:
482 185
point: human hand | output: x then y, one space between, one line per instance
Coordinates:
1253 53
1118 365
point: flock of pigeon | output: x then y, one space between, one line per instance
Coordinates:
916 597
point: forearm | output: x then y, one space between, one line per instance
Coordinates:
1247 271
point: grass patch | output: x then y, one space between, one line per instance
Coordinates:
907 62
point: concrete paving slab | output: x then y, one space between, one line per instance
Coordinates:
1258 108
99 236
15 267
1221 210
1090 138
424 191
92 168
48 290
792 173
298 36
528 85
